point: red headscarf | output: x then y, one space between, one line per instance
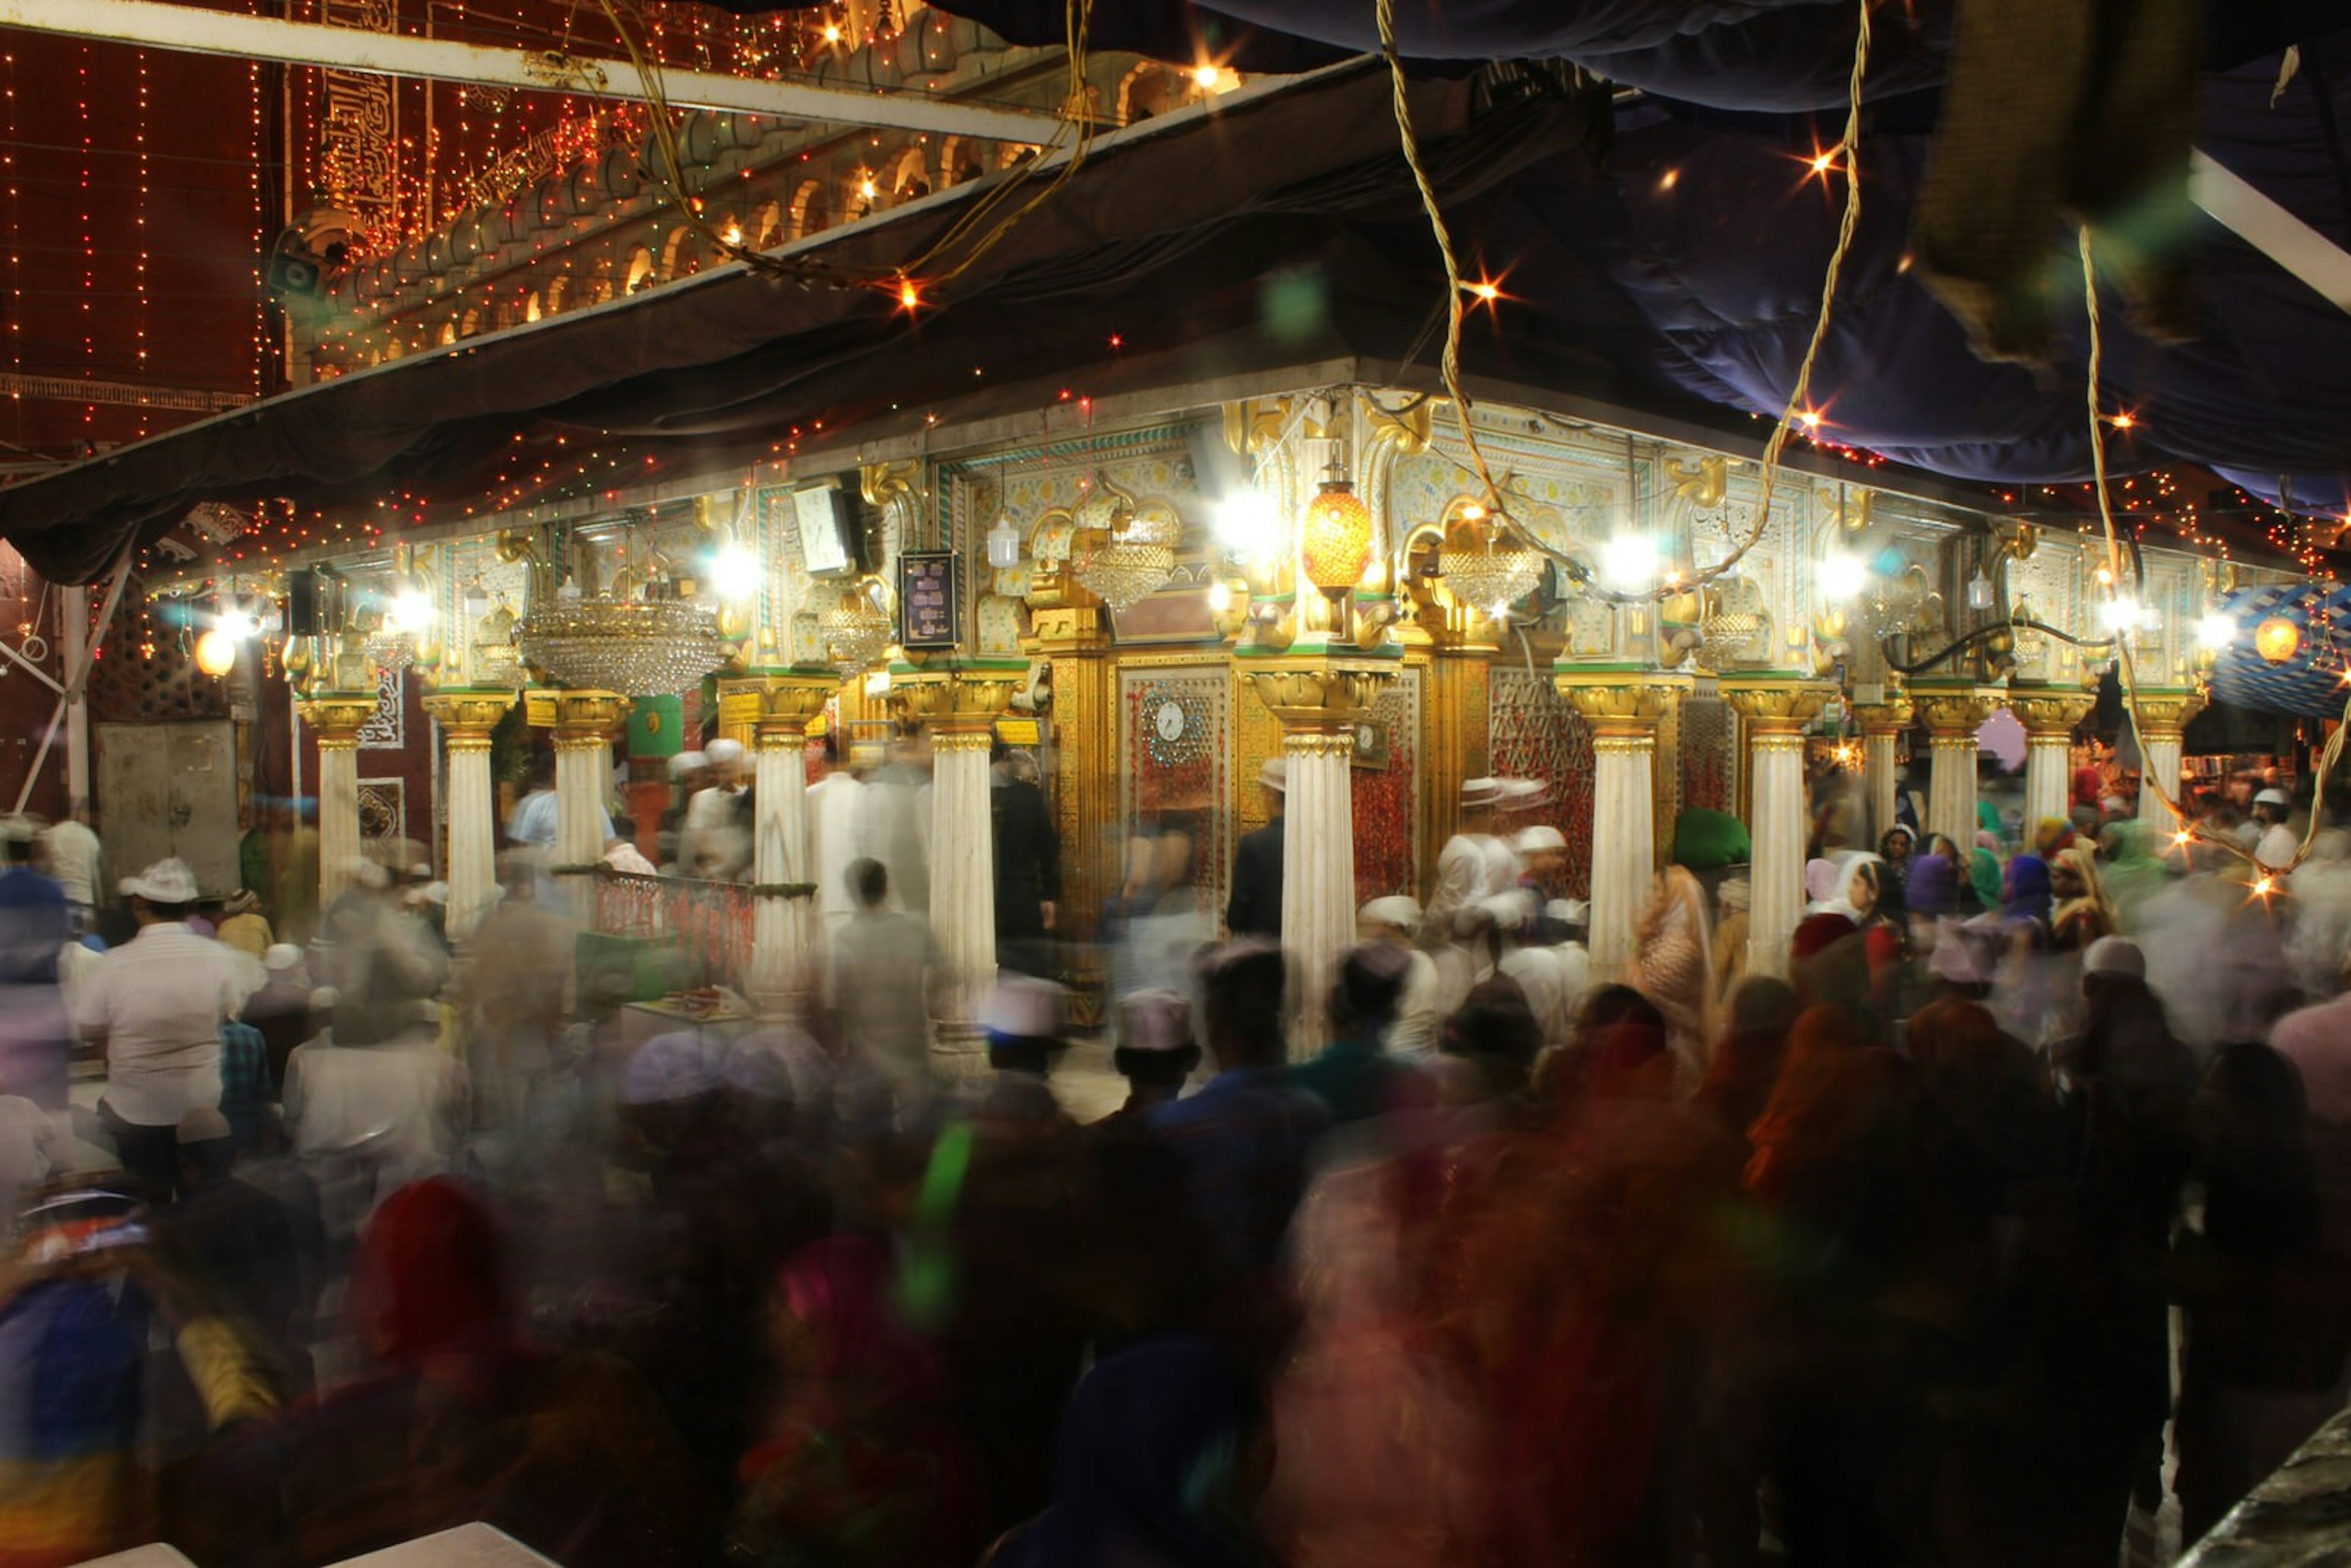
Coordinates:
426 1279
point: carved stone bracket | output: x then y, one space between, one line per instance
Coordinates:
1777 704
1620 703
1955 710
2165 713
1321 693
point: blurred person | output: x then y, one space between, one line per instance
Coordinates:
2021 985
1542 860
280 1009
1464 953
715 840
1254 908
837 823
1024 1023
882 969
533 824
1028 866
2274 844
1734 897
2317 1040
155 1006
2321 933
462 1419
1242 1139
33 1145
512 997
686 771
35 924
242 925
1894 862
1748 1055
366 1120
1983 892
1159 923
381 958
1353 1075
1162 1461
2132 869
899 806
240 1242
73 857
1474 863
1495 1034
1156 1053
248 1086
622 855
2263 1339
1537 966
1673 964
861 1463
1396 920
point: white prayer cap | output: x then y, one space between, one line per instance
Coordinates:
1569 910
1155 1019
1518 794
1736 893
281 956
722 751
2273 797
1541 837
166 882
1275 775
1397 909
1480 791
2115 955
1026 1007
685 762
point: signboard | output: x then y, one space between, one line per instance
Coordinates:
538 707
1019 732
737 710
930 603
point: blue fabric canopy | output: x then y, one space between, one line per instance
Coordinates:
2311 683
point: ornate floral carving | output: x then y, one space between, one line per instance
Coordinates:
338 717
2051 714
467 714
1626 704
1776 708
1319 694
958 696
2164 713
1951 712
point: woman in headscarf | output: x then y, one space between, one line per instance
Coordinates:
1160 1464
1894 864
2133 873
2022 989
860 1467
465 1419
1673 966
1984 879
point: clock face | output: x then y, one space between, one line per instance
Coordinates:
1170 721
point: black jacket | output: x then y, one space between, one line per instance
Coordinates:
1255 907
1028 858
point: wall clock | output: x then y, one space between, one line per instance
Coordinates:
1174 725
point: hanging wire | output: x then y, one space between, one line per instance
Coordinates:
2125 665
1844 155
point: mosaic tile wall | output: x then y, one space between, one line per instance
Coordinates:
1532 733
1387 840
1185 776
1709 754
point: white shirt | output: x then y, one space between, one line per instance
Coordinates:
73 861
840 831
2275 850
32 1144
160 999
403 1103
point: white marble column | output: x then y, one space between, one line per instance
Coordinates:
1776 711
1317 875
963 876
783 927
1953 718
467 719
2163 717
584 725
338 718
2048 718
1623 845
1882 724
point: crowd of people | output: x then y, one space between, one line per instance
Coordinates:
1870 1251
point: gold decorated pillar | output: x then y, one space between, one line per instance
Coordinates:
2048 717
1775 710
585 723
337 716
1317 699
2162 716
958 700
1953 711
1075 640
1882 723
467 719
783 931
1624 707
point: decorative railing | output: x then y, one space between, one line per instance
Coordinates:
710 921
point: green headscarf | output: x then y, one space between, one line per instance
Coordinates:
1988 818
1983 875
2133 872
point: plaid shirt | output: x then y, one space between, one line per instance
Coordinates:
245 1084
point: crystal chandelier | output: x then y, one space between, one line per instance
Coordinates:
1124 557
1484 565
639 648
856 632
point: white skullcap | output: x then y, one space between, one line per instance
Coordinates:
1155 1019
1275 775
1026 1007
1541 837
323 999
1399 909
1480 791
166 882
1736 893
2115 955
1520 793
281 956
722 751
685 762
1569 910
2272 798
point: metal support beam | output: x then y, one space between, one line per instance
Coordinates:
186 28
2270 229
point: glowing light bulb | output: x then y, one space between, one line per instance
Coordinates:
1822 162
833 32
216 653
1244 520
867 189
909 296
1629 562
2264 887
1842 577
410 610
1220 598
1484 292
1206 77
2123 420
2119 614
1810 420
734 572
1473 513
2216 630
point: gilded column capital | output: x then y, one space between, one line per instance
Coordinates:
466 717
1776 706
2164 713
1891 716
788 699
1320 694
337 716
587 719
1621 705
959 696
2050 716
1955 712
1058 631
